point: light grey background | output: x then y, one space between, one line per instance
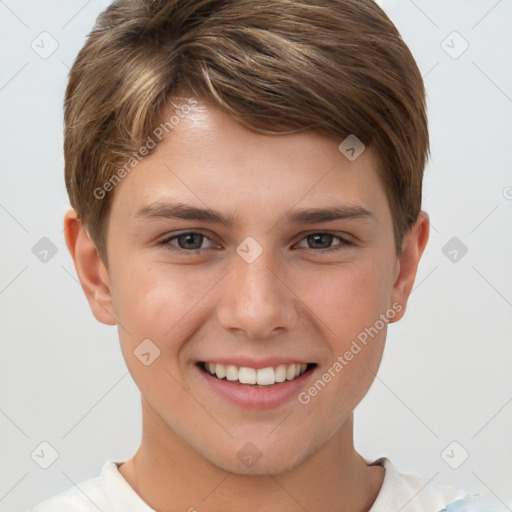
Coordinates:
446 373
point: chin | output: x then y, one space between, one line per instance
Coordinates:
250 460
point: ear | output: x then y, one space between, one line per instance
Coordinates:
89 268
412 248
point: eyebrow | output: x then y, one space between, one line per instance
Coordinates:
166 210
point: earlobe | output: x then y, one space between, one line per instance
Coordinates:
91 271
413 246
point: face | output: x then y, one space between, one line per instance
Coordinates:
292 302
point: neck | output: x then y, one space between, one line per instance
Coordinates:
170 476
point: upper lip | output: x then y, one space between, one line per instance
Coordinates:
249 362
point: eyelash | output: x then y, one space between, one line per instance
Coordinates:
166 242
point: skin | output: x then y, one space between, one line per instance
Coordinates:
293 299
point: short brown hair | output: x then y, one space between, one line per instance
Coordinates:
338 67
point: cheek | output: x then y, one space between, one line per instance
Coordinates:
157 308
349 298
167 304
154 301
354 308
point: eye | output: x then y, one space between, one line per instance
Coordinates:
321 242
189 242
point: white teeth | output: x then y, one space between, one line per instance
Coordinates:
280 373
261 377
265 377
231 372
220 370
247 375
290 372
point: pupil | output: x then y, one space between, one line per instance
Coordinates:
319 235
191 235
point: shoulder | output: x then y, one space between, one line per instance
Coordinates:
87 496
413 493
410 492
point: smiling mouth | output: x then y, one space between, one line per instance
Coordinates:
261 377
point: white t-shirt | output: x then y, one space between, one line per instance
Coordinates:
110 492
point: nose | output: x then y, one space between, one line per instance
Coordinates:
256 301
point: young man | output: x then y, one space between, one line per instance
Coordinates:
246 180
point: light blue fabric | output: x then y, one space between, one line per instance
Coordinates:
476 503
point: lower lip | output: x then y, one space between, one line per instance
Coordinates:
252 397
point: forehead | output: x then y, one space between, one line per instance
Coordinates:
211 160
